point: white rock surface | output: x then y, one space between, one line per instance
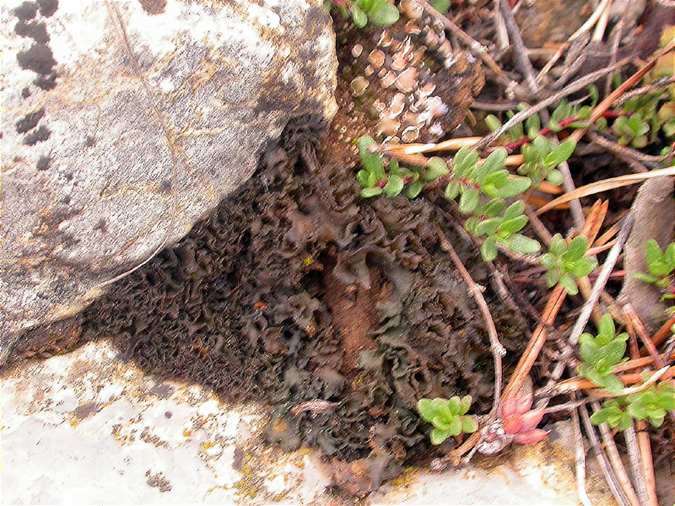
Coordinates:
85 428
125 121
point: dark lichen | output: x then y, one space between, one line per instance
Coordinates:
263 301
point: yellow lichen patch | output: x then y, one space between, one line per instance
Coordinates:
187 433
74 422
205 445
405 478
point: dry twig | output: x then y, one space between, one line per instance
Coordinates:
496 347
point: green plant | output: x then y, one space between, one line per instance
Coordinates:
661 266
631 130
601 353
542 157
473 181
500 225
565 262
472 177
377 178
377 12
448 417
651 404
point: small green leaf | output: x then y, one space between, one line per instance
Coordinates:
488 249
558 245
521 244
492 122
371 192
568 283
451 191
358 16
576 249
653 252
533 125
555 177
515 186
560 153
513 225
383 13
468 201
414 189
494 161
455 405
466 404
394 186
437 436
582 267
362 178
515 209
372 162
455 426
606 328
436 167
469 425
464 160
488 227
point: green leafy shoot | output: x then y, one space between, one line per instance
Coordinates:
482 188
542 157
499 225
600 353
651 404
472 178
377 12
661 267
447 416
390 179
631 130
566 262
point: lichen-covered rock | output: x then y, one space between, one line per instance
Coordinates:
124 122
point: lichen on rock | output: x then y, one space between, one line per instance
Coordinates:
125 122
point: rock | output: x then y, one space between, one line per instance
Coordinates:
653 209
125 122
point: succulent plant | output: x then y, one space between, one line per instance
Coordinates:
500 225
377 12
600 353
520 420
472 177
661 267
632 130
565 262
651 404
542 157
376 180
448 417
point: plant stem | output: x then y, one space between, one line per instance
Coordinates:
579 84
600 456
580 458
496 347
641 331
663 332
615 460
636 464
599 109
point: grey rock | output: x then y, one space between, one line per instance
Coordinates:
126 121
